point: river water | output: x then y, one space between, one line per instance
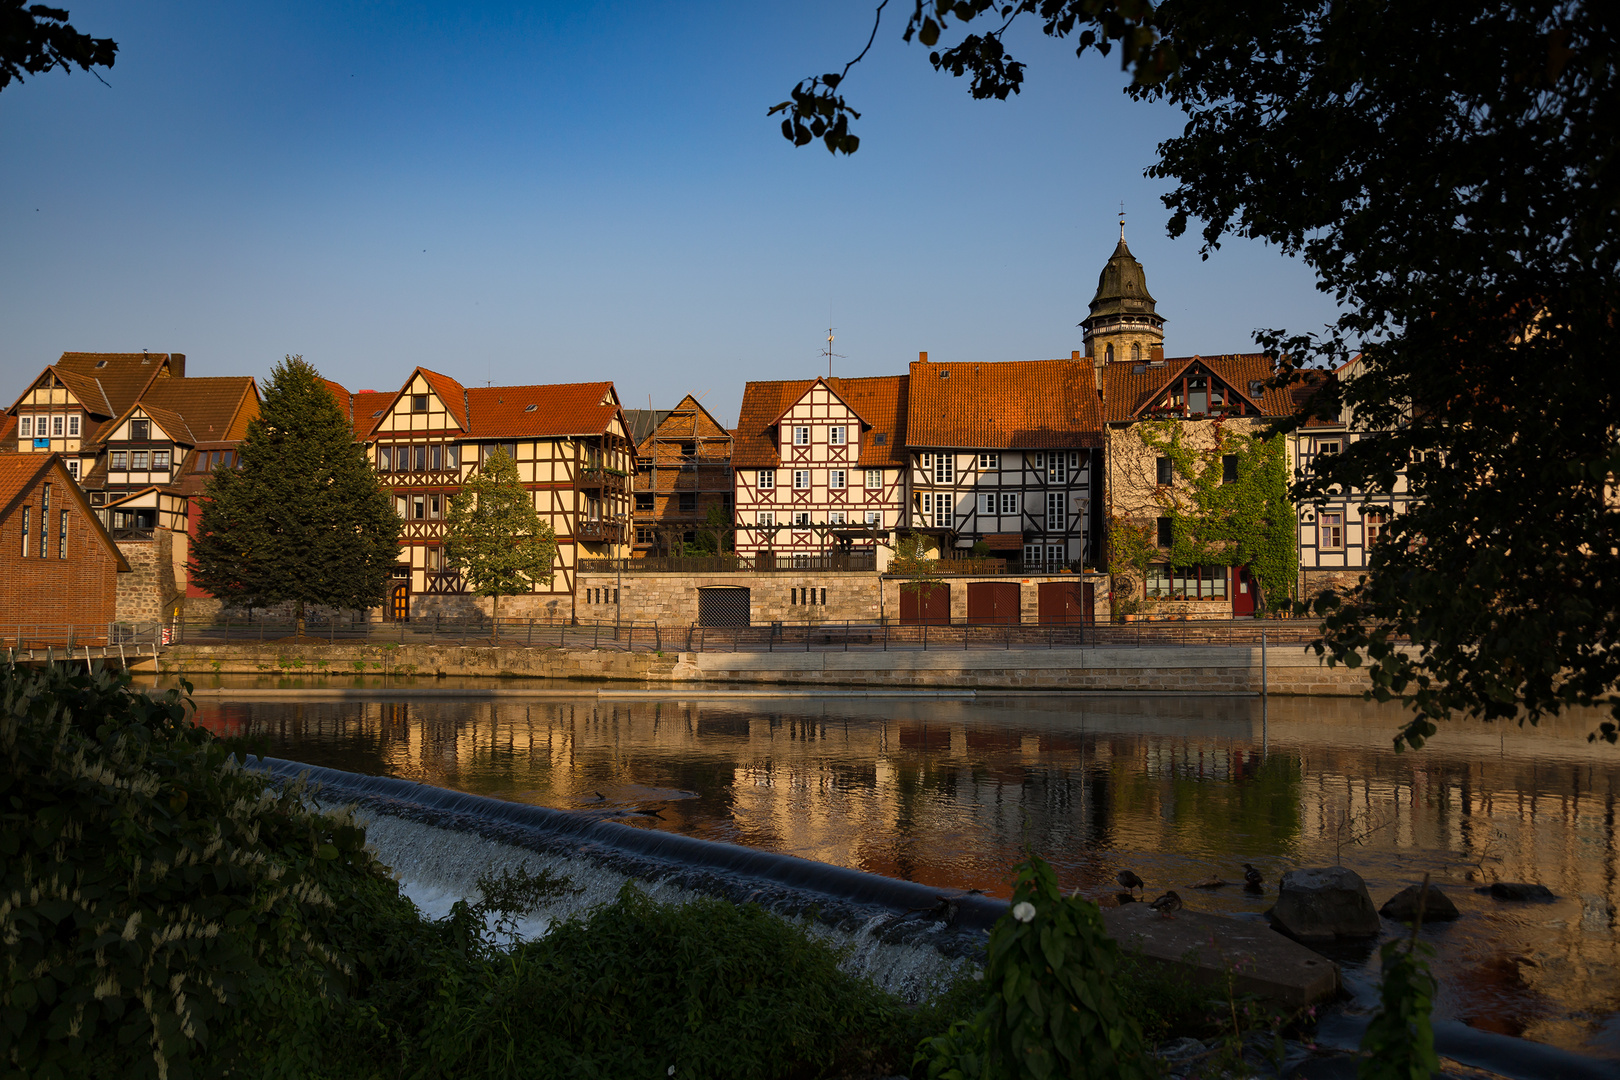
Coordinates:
950 793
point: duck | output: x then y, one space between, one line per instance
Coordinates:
1167 905
1128 880
1253 881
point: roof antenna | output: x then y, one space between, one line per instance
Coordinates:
830 354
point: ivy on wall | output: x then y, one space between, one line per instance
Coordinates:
1248 522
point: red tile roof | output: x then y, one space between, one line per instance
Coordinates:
879 401
1129 388
122 377
198 410
20 472
452 393
368 407
1023 404
541 412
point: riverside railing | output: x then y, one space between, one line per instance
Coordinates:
783 636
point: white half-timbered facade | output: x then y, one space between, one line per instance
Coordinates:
1005 455
819 467
573 454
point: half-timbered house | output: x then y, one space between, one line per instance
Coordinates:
573 453
66 405
683 473
819 467
1006 455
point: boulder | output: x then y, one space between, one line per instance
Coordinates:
1517 890
1324 904
1402 907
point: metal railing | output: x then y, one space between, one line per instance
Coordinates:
776 563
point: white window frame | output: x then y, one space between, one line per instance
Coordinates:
874 517
925 460
989 462
1010 504
1057 554
801 435
801 519
944 468
118 461
1057 468
874 479
25 427
1057 512
987 503
73 425
801 479
838 435
1034 555
73 467
944 513
160 460
837 479
56 425
766 479
766 518
140 460
838 517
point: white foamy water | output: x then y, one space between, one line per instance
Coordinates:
437 867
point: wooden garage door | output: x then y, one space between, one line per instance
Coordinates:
933 609
993 603
1066 603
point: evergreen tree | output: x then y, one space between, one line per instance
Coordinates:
305 518
496 538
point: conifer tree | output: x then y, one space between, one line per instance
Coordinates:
495 536
305 519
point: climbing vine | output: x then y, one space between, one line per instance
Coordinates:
1130 552
1242 520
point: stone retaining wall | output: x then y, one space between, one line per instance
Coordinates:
1148 670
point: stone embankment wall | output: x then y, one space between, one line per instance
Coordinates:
148 592
1193 670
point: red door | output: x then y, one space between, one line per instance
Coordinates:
1242 593
934 609
993 603
1063 603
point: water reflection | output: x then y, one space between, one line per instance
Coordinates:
950 792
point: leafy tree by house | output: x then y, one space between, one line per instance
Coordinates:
911 559
716 534
496 538
304 520
1447 172
35 38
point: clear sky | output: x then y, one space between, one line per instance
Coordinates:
531 193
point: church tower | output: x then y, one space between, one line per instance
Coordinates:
1123 326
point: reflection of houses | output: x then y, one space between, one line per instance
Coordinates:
683 471
572 450
1336 536
1004 454
58 567
1148 400
820 466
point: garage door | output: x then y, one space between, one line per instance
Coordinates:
723 605
933 609
1066 603
993 602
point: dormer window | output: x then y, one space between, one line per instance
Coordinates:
140 430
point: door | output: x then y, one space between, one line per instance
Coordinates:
724 605
993 603
1242 593
399 602
1065 603
933 609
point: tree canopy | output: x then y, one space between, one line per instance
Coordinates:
1448 171
496 538
305 519
35 39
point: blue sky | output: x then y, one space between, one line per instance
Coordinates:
533 193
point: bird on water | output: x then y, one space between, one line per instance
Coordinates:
1167 905
1128 880
1252 879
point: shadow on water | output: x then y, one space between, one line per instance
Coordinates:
947 793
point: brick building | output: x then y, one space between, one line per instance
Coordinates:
58 566
683 472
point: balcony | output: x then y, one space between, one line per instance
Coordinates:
599 478
599 531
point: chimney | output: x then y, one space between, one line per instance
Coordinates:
177 364
1075 355
922 358
1156 353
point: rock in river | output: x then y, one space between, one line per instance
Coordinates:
1402 907
1517 890
1323 904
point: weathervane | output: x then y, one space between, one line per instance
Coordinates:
1122 221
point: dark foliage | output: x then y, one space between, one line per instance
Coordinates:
35 38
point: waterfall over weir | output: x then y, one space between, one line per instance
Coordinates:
907 937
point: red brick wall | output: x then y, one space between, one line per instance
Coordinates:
36 593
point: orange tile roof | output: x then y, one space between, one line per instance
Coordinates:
1004 406
1127 390
879 401
452 393
20 472
122 376
199 410
541 412
368 407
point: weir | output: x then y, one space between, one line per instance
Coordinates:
907 937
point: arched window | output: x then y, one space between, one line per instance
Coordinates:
1136 354
1108 355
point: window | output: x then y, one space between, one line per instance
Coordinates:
1167 533
1187 583
688 449
1330 531
838 479
26 511
118 461
1327 446
73 424
435 506
766 518
1229 468
450 457
385 459
61 534
1056 512
944 513
1374 524
420 454
836 435
644 536
874 479
987 502
644 500
1034 556
160 459
1108 354
25 427
73 468
419 402
418 507
874 517
1009 503
925 460
688 502
1166 474
989 462
436 457
56 426
880 438
1058 464
767 479
837 517
1136 354
45 521
508 448
801 519
1056 556
944 469
1256 387
139 430
399 505
801 436
139 460
801 478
